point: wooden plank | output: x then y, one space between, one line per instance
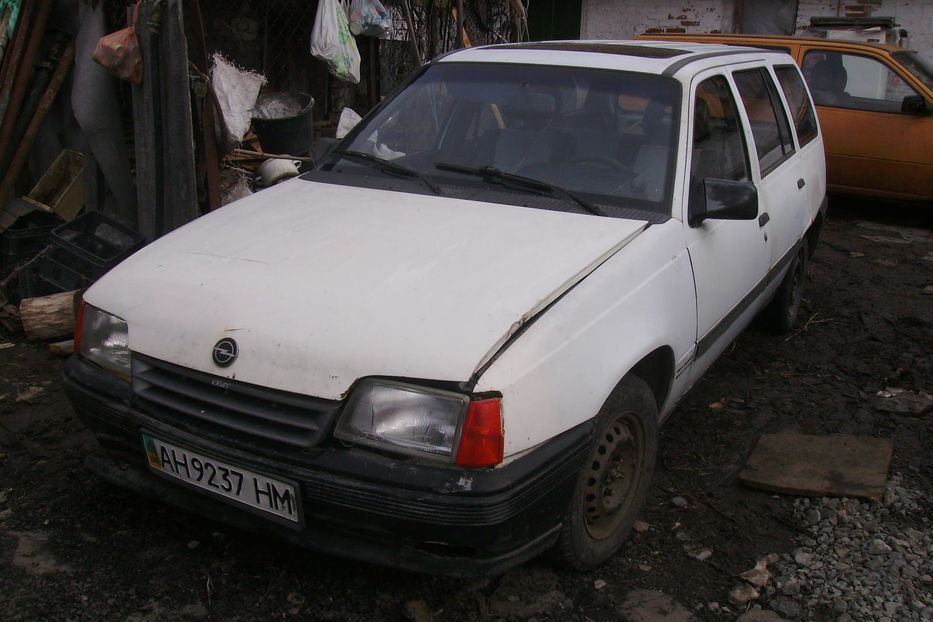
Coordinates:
161 209
180 193
62 348
147 199
48 317
839 465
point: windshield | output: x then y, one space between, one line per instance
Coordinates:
917 65
608 135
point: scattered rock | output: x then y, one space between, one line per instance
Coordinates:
787 607
878 547
599 584
698 552
28 394
652 606
513 599
193 545
742 594
903 402
31 556
759 575
418 611
791 587
803 558
641 526
679 502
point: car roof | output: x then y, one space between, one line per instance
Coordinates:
763 39
658 57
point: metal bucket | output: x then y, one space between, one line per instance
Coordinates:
282 122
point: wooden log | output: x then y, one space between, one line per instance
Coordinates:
62 348
48 317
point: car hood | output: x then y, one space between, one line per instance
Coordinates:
323 284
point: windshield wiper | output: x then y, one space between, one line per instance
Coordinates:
493 175
386 166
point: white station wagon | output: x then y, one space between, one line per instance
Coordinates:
449 347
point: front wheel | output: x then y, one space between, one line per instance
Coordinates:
614 482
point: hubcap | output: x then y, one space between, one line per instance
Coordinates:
614 473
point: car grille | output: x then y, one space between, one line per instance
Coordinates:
233 411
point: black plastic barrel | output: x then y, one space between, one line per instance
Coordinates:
283 122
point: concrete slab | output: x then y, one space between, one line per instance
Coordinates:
839 465
652 606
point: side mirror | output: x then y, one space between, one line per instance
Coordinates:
914 104
722 199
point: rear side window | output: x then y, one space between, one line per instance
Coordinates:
799 102
770 127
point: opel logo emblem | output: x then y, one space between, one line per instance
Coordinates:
225 352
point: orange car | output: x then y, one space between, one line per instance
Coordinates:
874 103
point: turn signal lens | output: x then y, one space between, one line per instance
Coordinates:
482 441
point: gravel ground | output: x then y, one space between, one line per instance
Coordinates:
860 559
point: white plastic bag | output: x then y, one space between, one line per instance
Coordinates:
348 120
370 18
332 42
236 91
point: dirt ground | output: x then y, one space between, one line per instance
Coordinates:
74 548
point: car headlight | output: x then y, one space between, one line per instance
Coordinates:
415 420
101 337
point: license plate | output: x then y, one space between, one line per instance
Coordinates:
219 477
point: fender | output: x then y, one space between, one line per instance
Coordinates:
640 299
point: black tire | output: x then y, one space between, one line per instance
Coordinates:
781 313
613 484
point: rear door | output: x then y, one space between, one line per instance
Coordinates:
782 182
871 146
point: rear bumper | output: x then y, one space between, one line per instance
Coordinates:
357 504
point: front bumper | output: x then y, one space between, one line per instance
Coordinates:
357 504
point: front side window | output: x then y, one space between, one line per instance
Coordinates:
609 136
800 107
718 141
854 81
769 125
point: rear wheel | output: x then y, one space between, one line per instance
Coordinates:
782 311
612 486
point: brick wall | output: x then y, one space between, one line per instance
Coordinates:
915 16
623 19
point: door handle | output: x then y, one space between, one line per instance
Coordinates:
801 183
763 219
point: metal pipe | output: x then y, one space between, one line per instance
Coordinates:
31 102
45 104
411 32
10 65
24 75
